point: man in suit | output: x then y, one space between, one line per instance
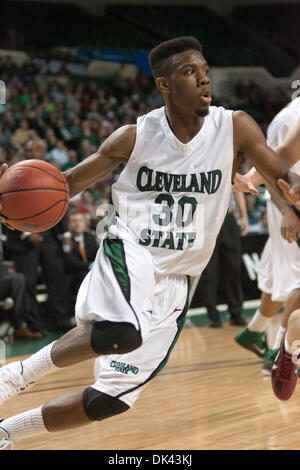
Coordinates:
27 251
12 293
80 257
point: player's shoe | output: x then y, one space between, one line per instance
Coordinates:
12 381
284 374
268 361
254 341
6 443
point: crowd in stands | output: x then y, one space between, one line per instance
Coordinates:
62 118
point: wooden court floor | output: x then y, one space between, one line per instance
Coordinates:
211 395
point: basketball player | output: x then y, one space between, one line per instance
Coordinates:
170 202
284 368
279 268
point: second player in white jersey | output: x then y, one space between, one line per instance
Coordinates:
279 268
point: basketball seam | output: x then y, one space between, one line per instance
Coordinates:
34 189
62 211
42 169
66 201
39 213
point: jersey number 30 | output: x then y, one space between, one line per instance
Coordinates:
167 212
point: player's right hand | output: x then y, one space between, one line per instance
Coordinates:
291 192
290 226
3 219
243 184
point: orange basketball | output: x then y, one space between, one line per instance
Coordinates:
34 195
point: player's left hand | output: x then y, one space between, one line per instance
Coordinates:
290 225
291 192
243 184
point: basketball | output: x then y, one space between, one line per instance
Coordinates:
34 195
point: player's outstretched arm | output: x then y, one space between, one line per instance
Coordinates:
288 151
116 149
249 139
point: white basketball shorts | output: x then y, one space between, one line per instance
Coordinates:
122 287
279 267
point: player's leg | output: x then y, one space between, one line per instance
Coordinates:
253 336
66 412
291 304
82 343
119 378
109 313
284 369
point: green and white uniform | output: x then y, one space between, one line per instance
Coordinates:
170 203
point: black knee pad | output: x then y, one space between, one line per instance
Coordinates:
114 338
98 405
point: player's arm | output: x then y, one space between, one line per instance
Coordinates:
116 149
249 139
242 207
290 224
288 151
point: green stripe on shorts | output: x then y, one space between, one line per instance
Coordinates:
114 250
180 324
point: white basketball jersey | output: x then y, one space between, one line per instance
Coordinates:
173 197
279 128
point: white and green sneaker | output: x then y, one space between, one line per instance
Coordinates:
254 341
268 361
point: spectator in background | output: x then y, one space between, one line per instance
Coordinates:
79 258
13 288
35 149
50 138
28 250
22 133
62 132
73 160
86 204
59 154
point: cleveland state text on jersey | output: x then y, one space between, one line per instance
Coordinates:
150 180
175 213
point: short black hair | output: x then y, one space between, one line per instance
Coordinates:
159 54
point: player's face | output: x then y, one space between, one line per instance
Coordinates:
188 82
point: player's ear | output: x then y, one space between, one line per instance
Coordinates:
162 84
